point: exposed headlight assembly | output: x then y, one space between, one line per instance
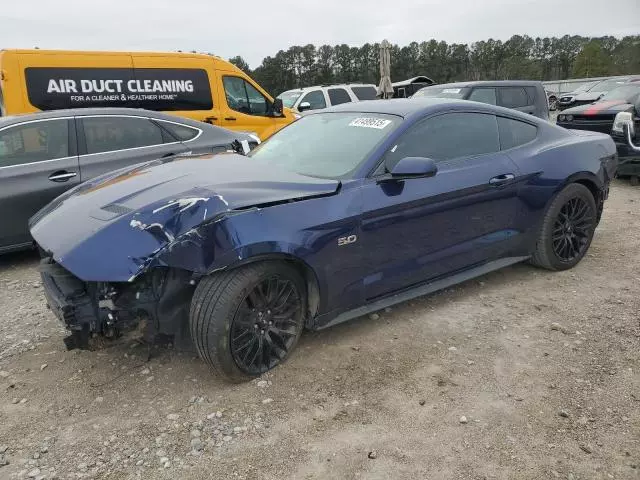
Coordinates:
622 119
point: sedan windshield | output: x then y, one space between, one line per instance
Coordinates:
607 85
628 93
326 145
290 97
442 92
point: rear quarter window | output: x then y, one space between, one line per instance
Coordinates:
338 96
364 93
514 133
513 97
183 133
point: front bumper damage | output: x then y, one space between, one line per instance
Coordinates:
155 304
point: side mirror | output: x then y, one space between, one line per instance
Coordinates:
623 125
277 107
304 106
414 167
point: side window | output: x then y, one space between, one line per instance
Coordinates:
243 97
514 132
484 95
513 97
448 136
338 96
107 134
316 99
531 92
181 132
365 93
2 107
34 142
257 102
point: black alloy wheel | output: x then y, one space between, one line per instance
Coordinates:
567 229
266 325
573 230
247 320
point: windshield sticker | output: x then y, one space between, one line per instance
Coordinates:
378 123
451 90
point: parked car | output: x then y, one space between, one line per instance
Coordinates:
526 97
552 100
408 197
626 134
590 93
406 88
598 116
198 86
44 154
323 96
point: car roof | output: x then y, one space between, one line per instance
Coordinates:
489 83
407 107
313 87
83 112
403 107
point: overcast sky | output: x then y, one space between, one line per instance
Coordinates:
257 28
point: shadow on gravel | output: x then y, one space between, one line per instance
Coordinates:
23 259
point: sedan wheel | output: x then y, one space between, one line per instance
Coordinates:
567 229
247 321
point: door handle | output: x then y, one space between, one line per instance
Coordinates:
61 176
230 119
501 179
211 120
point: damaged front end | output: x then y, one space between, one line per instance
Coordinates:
155 304
124 253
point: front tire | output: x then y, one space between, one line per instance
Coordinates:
247 321
567 229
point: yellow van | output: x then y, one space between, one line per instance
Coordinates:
197 86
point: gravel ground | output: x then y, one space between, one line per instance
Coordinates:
522 374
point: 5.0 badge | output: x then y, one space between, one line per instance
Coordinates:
347 240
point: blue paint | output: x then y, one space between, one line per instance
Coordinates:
207 213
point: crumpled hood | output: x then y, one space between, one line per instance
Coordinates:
110 227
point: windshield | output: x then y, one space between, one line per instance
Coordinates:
326 145
628 93
585 87
442 92
607 85
290 97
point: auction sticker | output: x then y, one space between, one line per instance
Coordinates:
451 90
378 123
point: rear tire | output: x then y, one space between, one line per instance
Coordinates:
634 180
567 229
247 321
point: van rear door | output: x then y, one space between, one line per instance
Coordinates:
56 80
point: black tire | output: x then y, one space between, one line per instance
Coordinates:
563 242
223 305
634 180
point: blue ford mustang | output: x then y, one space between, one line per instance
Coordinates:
343 212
